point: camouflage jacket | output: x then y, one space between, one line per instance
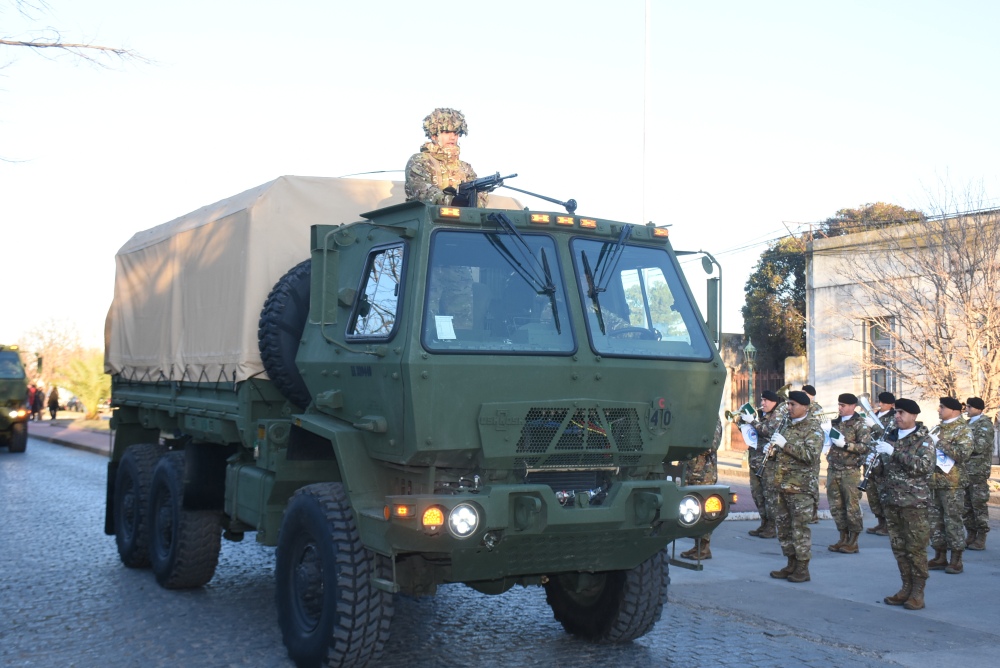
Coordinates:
856 444
432 170
954 440
795 464
704 469
983 435
815 409
765 427
887 419
906 473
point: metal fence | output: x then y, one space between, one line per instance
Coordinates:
763 380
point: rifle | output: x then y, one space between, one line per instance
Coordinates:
468 191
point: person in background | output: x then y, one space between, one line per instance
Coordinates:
765 499
885 414
847 451
977 475
54 402
953 444
815 411
704 470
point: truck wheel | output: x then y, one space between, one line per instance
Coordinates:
612 607
18 441
328 609
280 331
131 520
183 544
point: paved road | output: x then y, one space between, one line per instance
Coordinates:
66 600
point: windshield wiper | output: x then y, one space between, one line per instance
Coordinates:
607 262
543 284
592 291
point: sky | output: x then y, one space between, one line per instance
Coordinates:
733 122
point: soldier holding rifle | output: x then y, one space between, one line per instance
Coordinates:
954 445
847 451
798 449
904 463
435 172
886 414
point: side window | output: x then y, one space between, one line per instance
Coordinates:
377 307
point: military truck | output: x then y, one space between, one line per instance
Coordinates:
404 398
13 394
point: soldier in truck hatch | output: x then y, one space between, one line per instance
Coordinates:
434 173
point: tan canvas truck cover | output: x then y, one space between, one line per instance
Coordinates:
188 293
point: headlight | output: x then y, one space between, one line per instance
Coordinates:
713 507
463 520
690 510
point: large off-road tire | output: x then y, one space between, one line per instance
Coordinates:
280 331
18 441
328 609
184 544
131 521
611 607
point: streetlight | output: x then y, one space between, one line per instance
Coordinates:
750 355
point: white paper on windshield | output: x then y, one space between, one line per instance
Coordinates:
445 327
944 462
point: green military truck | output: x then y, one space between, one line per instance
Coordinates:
427 395
13 394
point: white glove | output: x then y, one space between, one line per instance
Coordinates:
883 448
839 442
746 417
934 439
871 422
778 441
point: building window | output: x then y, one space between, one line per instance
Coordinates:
879 375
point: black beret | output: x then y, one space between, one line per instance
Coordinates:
770 396
886 397
908 406
976 402
952 403
808 389
799 397
847 398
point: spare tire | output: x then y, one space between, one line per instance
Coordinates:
280 331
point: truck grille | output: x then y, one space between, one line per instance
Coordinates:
580 437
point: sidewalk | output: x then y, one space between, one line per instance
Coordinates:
67 433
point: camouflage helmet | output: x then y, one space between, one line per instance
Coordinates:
443 119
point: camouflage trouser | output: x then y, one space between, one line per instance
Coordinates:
757 492
792 521
874 502
945 517
909 533
977 496
770 491
845 499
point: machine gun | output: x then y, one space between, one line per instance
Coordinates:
468 191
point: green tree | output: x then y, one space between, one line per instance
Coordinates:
85 378
867 217
774 313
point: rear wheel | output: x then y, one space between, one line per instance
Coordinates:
611 607
184 544
18 437
328 609
131 521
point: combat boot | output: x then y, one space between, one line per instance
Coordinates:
851 546
916 600
786 571
939 561
769 531
704 553
690 554
839 544
970 537
801 572
979 543
879 529
757 531
956 563
901 596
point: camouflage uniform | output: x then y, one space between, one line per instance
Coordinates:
843 475
796 484
704 470
765 426
815 412
948 489
905 490
977 490
875 480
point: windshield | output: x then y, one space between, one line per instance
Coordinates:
635 302
10 366
495 293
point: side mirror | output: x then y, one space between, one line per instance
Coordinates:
712 306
